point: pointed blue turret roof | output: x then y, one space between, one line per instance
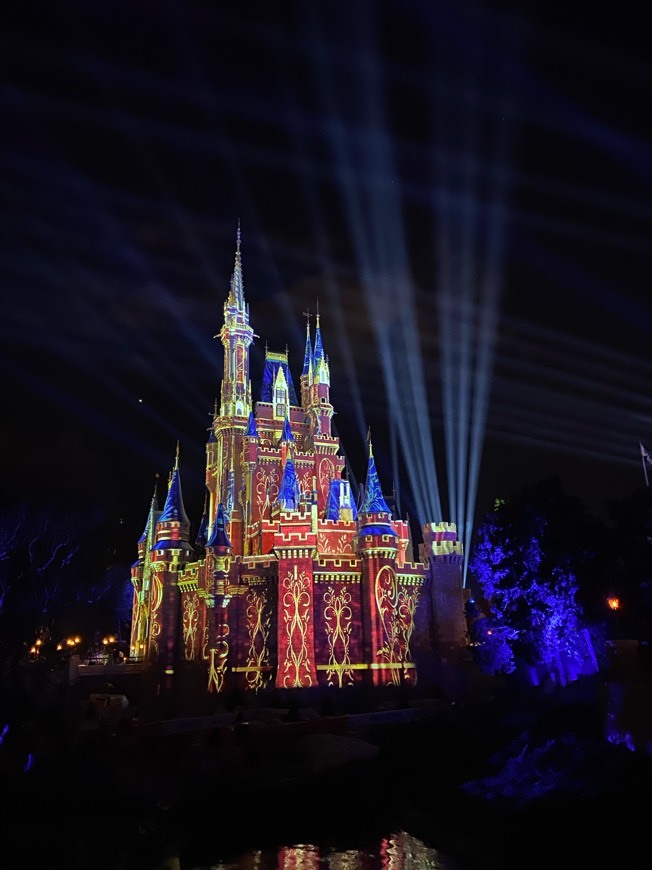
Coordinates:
307 357
374 501
319 350
236 296
174 508
339 496
286 434
270 371
252 430
153 509
219 537
289 493
200 540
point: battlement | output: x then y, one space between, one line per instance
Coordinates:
439 532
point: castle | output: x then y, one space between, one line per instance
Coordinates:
289 583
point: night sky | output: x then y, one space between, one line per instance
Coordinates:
354 142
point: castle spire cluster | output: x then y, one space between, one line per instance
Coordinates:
288 584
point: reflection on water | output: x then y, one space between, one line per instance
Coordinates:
399 851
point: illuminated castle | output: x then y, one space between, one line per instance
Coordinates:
289 583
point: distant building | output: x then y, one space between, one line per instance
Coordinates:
289 583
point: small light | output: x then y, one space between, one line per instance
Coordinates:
614 603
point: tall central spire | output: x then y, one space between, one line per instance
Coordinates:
236 296
236 336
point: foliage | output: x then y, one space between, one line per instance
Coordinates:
53 569
529 554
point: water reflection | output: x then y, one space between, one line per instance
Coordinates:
399 851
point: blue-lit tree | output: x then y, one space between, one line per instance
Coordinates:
530 553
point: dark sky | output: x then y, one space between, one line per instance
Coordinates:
354 141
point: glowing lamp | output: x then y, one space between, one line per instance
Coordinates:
59 647
614 603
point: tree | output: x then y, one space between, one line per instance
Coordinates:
530 554
47 562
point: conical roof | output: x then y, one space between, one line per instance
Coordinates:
252 430
219 537
289 493
153 509
374 501
174 509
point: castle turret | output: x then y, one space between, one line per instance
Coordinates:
170 553
286 441
289 494
444 555
376 540
219 551
306 374
223 470
141 581
202 532
236 335
320 409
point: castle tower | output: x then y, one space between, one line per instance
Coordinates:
218 549
444 555
319 407
236 336
295 546
377 543
141 573
223 471
306 374
169 555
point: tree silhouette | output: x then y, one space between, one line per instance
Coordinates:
530 556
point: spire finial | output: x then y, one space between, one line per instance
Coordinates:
317 312
236 293
371 452
307 315
176 458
